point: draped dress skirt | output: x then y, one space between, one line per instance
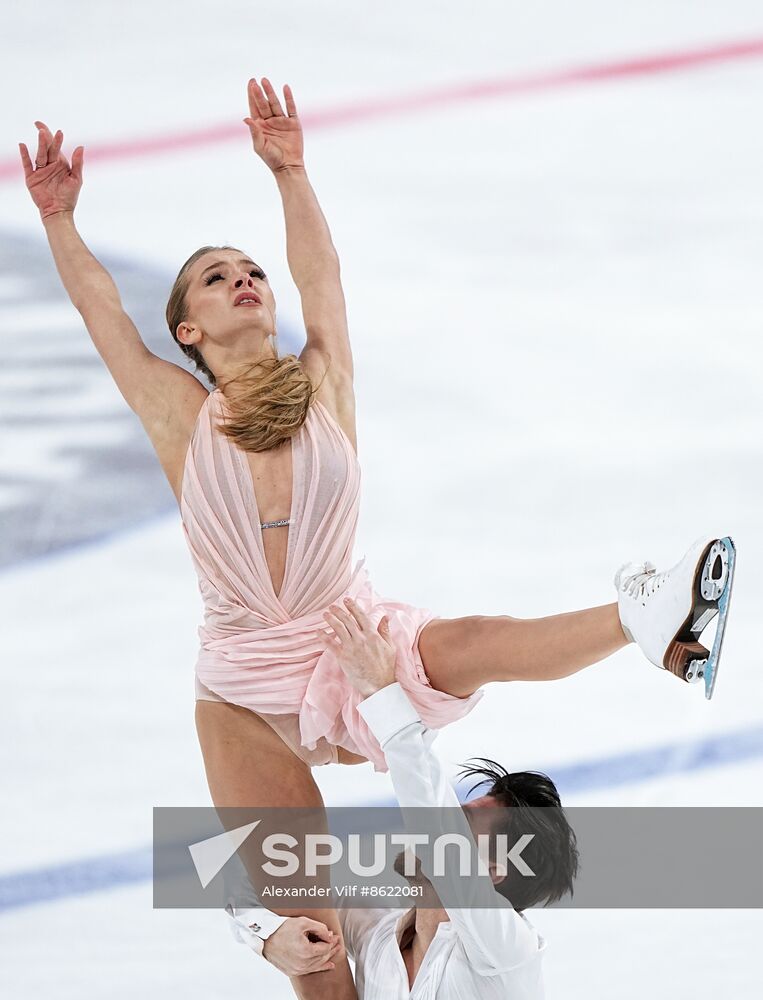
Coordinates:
270 653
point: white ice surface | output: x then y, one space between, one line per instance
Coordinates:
555 309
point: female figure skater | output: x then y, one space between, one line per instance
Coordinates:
265 472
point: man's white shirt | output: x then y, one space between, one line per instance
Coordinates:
483 952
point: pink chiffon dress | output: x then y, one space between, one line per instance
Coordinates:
269 652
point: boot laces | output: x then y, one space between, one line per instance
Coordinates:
645 582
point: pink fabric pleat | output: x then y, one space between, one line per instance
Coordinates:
270 653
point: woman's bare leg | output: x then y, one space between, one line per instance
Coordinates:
249 766
462 654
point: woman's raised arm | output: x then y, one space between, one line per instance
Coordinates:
153 388
313 260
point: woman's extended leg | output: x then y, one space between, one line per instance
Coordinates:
249 766
462 654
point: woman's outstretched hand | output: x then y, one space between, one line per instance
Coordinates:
52 183
276 137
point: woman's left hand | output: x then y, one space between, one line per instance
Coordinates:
276 137
365 653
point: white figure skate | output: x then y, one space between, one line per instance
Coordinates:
666 613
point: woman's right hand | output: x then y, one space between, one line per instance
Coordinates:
52 183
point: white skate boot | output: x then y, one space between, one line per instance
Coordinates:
666 613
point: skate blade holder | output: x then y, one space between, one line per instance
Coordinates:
695 671
688 658
715 572
715 585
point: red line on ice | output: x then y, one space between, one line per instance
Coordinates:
364 110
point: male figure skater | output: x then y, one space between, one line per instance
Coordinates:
476 949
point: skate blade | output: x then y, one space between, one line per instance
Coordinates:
711 667
686 657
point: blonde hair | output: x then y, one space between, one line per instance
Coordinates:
271 402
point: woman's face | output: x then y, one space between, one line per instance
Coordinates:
229 304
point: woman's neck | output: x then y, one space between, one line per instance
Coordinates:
232 380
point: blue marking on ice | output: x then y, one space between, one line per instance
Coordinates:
75 878
96 874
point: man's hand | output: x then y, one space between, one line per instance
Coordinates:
365 653
301 945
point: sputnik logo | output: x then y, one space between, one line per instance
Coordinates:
209 856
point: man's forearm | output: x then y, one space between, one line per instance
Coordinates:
492 933
83 277
309 249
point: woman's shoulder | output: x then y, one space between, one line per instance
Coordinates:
334 391
343 415
171 438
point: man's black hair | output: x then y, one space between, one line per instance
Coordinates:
533 807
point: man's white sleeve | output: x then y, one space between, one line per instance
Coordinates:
494 935
253 926
250 922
